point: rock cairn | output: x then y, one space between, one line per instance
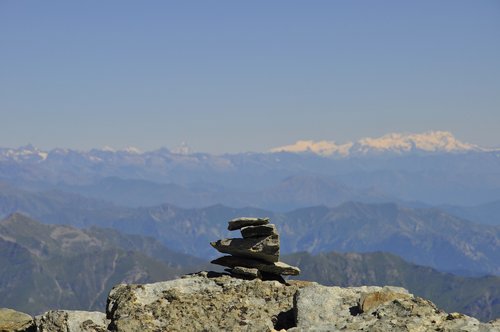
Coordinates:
257 254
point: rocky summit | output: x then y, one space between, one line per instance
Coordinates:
209 301
256 254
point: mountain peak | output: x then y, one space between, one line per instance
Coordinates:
16 217
430 141
132 150
23 153
323 148
184 149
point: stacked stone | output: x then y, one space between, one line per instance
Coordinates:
257 254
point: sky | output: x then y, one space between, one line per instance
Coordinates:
235 76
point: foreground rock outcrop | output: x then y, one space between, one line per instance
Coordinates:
216 302
202 302
209 301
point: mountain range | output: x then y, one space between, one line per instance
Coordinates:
290 193
436 169
426 236
399 143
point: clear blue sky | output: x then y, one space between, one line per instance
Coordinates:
227 76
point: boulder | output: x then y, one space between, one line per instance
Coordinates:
202 302
274 268
321 308
71 321
245 221
263 248
15 321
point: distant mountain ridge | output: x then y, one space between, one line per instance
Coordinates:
291 193
430 142
398 143
424 236
431 168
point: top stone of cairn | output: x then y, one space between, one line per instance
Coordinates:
244 222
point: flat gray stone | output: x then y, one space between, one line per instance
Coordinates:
245 272
264 248
245 221
258 231
274 268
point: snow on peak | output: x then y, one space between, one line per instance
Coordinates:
431 141
132 150
108 148
128 149
24 153
324 148
182 149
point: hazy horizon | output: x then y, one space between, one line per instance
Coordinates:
296 146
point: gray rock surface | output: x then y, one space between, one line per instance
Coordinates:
259 231
15 321
201 303
209 301
264 248
71 321
215 302
321 308
275 268
246 221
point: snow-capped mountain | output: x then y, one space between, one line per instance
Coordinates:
430 142
27 153
429 167
396 143
323 148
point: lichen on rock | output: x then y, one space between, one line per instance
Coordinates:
71 321
200 302
15 321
